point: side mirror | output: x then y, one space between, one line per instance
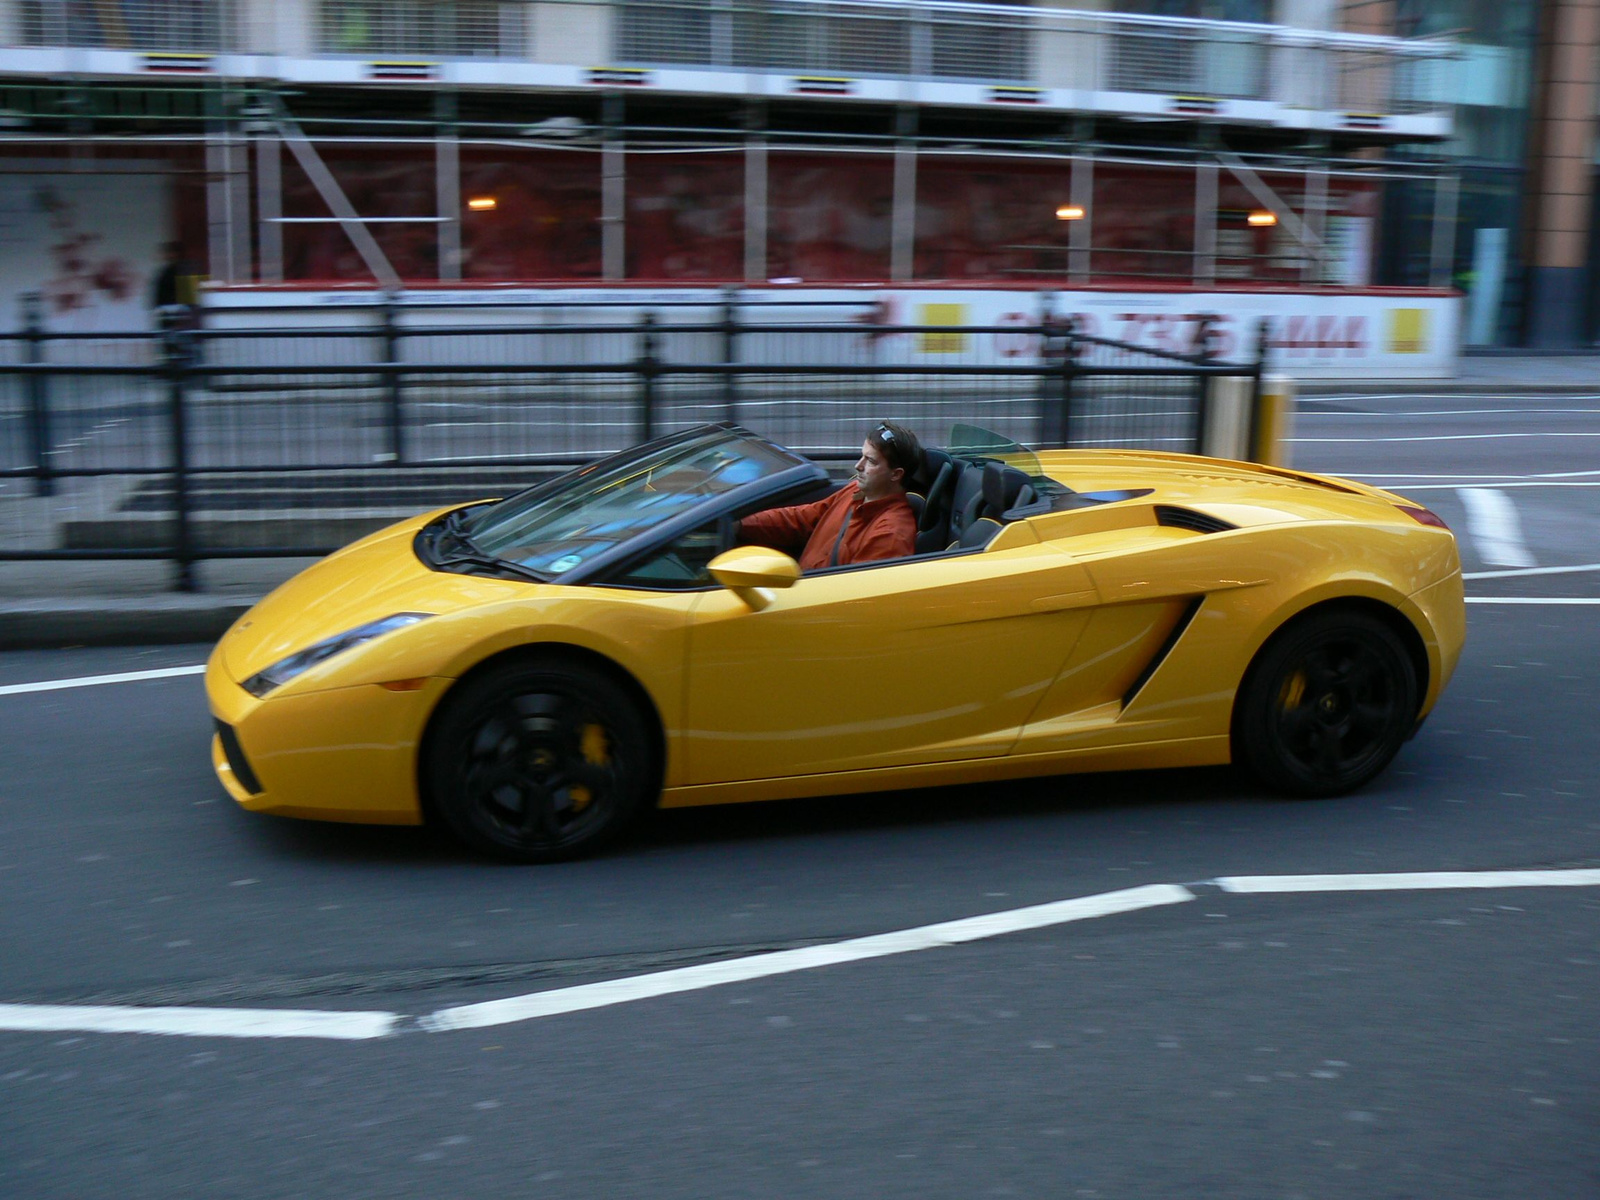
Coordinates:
751 572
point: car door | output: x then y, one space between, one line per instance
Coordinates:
909 661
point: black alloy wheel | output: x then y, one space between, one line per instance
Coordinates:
538 762
1326 705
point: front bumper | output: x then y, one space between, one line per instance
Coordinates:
341 754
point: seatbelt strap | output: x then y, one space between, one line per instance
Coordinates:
833 559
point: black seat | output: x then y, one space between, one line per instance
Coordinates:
998 490
966 501
933 517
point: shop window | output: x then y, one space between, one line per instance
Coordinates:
545 219
382 181
829 217
685 216
1143 221
990 219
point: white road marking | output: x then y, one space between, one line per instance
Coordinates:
198 1022
1450 437
782 962
1408 488
1533 600
1496 528
1259 885
1577 570
1455 412
1402 476
55 685
355 1026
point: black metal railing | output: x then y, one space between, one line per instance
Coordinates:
191 443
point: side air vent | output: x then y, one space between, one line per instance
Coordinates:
1186 518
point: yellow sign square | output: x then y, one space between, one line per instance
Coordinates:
942 314
1408 330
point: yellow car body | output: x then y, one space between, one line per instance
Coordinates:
1085 639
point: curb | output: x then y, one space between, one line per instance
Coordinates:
52 624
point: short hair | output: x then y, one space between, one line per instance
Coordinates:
899 447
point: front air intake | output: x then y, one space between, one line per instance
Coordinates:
1186 518
234 753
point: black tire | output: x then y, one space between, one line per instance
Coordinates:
1326 705
540 761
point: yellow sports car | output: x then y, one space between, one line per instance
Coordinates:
534 671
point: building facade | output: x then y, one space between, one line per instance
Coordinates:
1267 147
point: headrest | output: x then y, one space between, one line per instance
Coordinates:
1001 487
933 461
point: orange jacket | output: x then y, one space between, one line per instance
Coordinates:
884 528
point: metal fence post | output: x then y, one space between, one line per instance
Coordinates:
177 344
38 385
730 353
1253 436
391 381
649 366
1047 400
1057 340
1204 353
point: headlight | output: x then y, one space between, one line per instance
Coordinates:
301 661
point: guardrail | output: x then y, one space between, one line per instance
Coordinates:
197 454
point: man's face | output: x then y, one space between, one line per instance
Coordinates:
874 476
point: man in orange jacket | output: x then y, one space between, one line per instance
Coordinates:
866 519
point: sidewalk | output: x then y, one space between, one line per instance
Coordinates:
54 604
1479 374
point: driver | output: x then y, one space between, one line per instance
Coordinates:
866 519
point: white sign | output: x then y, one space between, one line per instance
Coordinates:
1312 335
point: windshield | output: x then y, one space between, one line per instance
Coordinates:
974 441
551 532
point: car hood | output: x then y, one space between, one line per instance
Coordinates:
366 581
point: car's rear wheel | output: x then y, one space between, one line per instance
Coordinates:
540 761
1326 705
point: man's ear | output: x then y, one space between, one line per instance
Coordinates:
898 475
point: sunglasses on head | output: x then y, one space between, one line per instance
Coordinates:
884 432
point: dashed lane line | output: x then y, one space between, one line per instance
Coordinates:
198 1022
55 685
1446 412
1417 881
1523 572
1400 478
366 1026
1408 488
1452 437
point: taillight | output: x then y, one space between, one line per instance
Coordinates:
1424 516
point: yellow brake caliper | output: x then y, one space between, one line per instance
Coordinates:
596 752
1294 691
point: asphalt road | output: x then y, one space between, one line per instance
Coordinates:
1404 1043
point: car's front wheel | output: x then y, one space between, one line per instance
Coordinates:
539 761
1326 705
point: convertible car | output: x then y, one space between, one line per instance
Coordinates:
532 672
